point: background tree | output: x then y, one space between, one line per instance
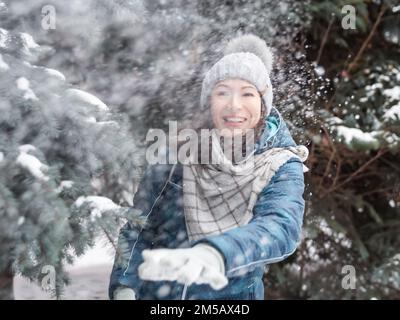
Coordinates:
354 185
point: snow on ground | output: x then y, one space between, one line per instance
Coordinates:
89 278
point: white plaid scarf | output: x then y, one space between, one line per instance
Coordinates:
220 197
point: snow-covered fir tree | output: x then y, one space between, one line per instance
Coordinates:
68 167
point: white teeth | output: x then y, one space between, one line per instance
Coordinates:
234 119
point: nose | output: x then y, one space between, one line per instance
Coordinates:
236 102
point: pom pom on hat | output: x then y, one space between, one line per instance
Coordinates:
253 44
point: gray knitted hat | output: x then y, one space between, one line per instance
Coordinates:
246 57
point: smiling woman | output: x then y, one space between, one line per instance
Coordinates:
212 228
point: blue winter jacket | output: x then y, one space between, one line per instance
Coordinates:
272 235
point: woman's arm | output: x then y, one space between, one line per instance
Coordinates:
274 232
132 240
124 272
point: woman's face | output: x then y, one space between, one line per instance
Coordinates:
235 105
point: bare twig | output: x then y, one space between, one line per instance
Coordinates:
324 39
365 165
376 191
360 52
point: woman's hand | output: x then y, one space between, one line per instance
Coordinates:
201 264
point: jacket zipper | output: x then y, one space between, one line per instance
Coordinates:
184 291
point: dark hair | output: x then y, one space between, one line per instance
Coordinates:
261 123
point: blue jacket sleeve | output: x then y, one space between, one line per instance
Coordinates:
133 240
124 272
274 232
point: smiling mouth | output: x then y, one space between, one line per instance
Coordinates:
234 119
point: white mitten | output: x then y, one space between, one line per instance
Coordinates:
201 264
124 293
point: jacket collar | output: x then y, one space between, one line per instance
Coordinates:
275 134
